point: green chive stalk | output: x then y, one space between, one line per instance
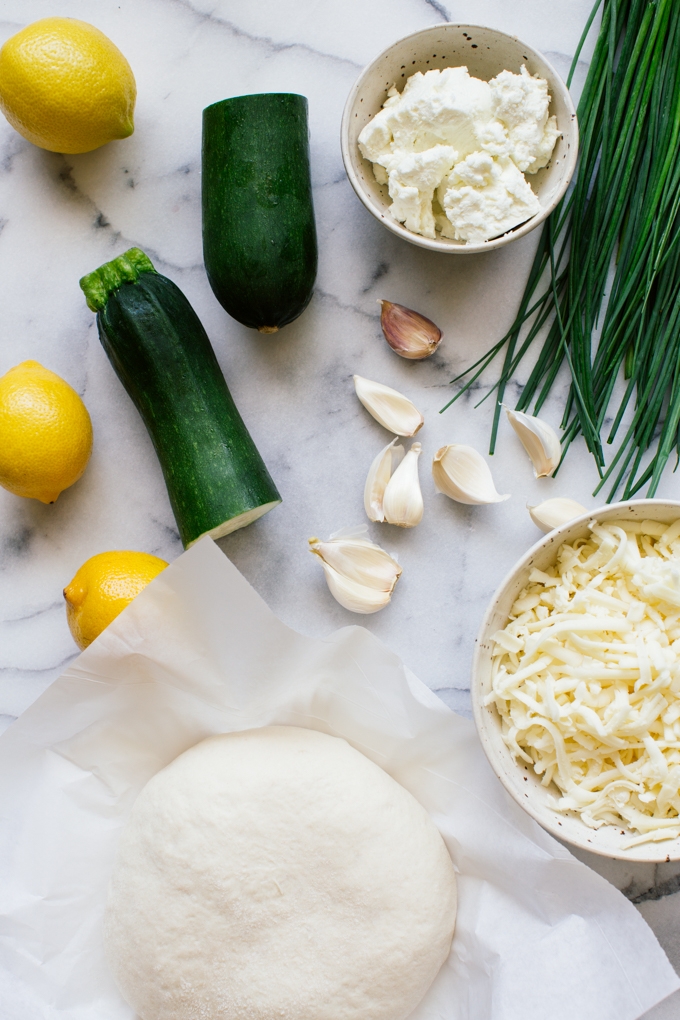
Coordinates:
623 211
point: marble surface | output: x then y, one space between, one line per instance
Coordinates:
61 217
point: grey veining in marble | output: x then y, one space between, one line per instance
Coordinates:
61 217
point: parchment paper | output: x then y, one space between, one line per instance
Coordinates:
539 936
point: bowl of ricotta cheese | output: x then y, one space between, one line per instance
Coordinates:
459 138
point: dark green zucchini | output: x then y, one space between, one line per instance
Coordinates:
216 479
259 236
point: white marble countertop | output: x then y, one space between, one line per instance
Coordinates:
61 217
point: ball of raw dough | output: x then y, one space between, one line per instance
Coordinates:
278 873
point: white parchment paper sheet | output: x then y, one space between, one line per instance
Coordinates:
539 935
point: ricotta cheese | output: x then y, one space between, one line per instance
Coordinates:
484 197
453 151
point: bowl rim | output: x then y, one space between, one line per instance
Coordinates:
480 719
435 244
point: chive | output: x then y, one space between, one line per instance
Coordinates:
622 217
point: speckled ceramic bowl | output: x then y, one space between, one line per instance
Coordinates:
485 52
520 780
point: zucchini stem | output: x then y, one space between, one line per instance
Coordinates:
126 268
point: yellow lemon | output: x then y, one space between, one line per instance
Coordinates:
65 86
45 433
103 587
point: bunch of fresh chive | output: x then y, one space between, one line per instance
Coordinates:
624 206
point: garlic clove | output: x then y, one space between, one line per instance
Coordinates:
553 513
408 333
379 475
461 473
360 575
538 439
403 501
351 554
352 595
392 409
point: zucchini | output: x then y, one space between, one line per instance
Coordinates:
216 479
259 236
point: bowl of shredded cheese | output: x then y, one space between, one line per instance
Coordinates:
576 681
459 138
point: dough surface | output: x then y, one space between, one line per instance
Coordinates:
278 873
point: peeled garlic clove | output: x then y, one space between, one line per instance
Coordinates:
403 501
360 575
462 474
408 333
553 513
392 409
379 475
538 439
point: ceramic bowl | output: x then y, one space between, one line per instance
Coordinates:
520 780
485 52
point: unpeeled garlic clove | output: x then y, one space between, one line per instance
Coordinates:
392 409
360 575
461 473
403 501
408 333
538 439
379 475
354 596
553 513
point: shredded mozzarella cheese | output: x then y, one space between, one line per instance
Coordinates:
586 677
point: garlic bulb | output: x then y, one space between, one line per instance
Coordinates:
553 513
403 501
392 409
539 440
360 575
379 475
408 333
462 474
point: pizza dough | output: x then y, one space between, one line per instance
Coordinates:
278 873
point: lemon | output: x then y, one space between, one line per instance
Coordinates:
103 587
45 433
65 86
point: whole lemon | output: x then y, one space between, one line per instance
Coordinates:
65 86
45 433
103 587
